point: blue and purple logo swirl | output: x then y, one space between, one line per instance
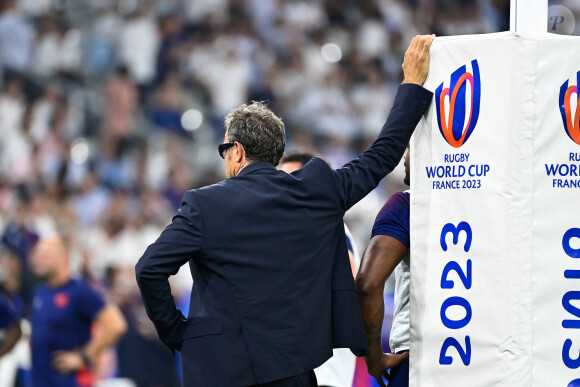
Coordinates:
456 122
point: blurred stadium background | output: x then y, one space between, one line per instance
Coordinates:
111 109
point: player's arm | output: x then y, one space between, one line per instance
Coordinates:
381 256
10 322
109 326
12 334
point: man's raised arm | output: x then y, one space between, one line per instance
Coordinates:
360 176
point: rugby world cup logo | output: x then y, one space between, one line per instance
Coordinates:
569 94
458 106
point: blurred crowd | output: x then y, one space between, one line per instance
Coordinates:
111 109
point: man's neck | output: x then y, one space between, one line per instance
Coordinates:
59 279
244 165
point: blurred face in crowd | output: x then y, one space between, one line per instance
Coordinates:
49 258
10 271
290 166
407 167
295 160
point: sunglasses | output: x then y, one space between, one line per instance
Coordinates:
222 148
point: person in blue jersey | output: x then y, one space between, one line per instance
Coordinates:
10 313
387 252
338 371
71 322
9 326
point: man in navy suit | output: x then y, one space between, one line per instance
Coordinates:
273 292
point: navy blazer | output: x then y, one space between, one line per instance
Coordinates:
273 292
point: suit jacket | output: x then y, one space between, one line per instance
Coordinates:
273 292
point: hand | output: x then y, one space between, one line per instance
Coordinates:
416 62
377 367
66 362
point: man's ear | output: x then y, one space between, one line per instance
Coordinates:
240 153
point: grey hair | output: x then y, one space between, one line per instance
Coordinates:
259 130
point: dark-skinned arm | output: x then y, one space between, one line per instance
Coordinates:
382 254
11 337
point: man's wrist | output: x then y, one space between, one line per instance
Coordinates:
375 352
85 358
405 81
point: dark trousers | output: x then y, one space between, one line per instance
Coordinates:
399 375
307 379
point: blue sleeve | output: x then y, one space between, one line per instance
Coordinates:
89 301
7 314
393 219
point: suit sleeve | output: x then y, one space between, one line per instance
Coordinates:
360 176
177 244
